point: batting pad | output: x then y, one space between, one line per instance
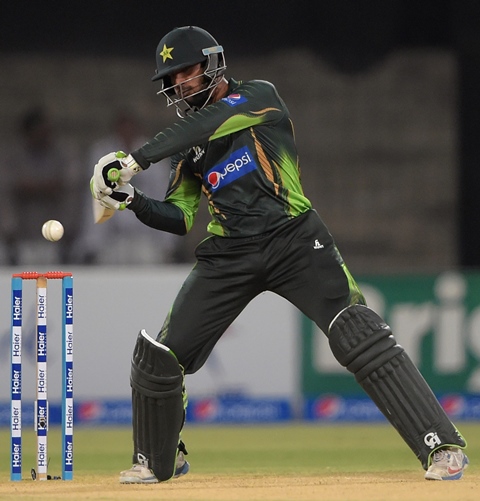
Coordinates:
158 410
363 343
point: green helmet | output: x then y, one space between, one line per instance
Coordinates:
184 47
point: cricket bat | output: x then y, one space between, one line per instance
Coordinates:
101 213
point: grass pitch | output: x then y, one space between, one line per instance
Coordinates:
278 462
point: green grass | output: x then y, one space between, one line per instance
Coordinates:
234 450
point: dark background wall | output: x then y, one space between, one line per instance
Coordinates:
351 33
351 37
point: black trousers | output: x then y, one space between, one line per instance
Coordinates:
298 261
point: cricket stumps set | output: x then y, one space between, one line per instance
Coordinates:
41 410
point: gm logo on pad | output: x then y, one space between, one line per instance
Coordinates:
234 99
239 163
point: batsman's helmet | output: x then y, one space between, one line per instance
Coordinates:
184 47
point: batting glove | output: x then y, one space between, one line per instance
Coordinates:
112 170
120 198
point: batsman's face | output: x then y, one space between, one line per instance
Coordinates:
189 82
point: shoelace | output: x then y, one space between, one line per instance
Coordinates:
440 455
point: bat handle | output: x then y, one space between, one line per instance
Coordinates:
113 175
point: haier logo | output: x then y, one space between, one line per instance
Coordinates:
234 99
238 164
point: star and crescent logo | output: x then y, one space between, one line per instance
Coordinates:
166 52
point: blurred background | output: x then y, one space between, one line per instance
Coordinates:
384 95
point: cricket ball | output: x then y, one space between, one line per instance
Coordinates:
52 230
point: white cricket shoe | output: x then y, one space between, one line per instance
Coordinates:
140 474
447 464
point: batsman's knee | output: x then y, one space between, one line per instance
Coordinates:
361 341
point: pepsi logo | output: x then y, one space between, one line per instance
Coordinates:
328 407
214 179
237 165
234 99
453 405
205 410
90 410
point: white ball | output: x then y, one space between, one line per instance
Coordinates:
52 230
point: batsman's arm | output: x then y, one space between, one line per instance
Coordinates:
176 213
261 106
162 216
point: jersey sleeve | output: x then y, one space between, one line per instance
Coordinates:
158 215
176 213
249 104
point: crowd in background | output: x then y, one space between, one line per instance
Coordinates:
49 179
377 152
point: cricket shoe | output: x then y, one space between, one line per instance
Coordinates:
140 474
447 464
182 466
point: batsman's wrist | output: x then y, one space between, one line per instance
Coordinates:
139 158
130 163
138 201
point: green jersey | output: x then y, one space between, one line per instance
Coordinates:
241 153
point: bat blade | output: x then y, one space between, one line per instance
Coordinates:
101 213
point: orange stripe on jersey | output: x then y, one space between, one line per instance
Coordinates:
264 163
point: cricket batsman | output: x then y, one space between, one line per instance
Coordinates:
234 143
